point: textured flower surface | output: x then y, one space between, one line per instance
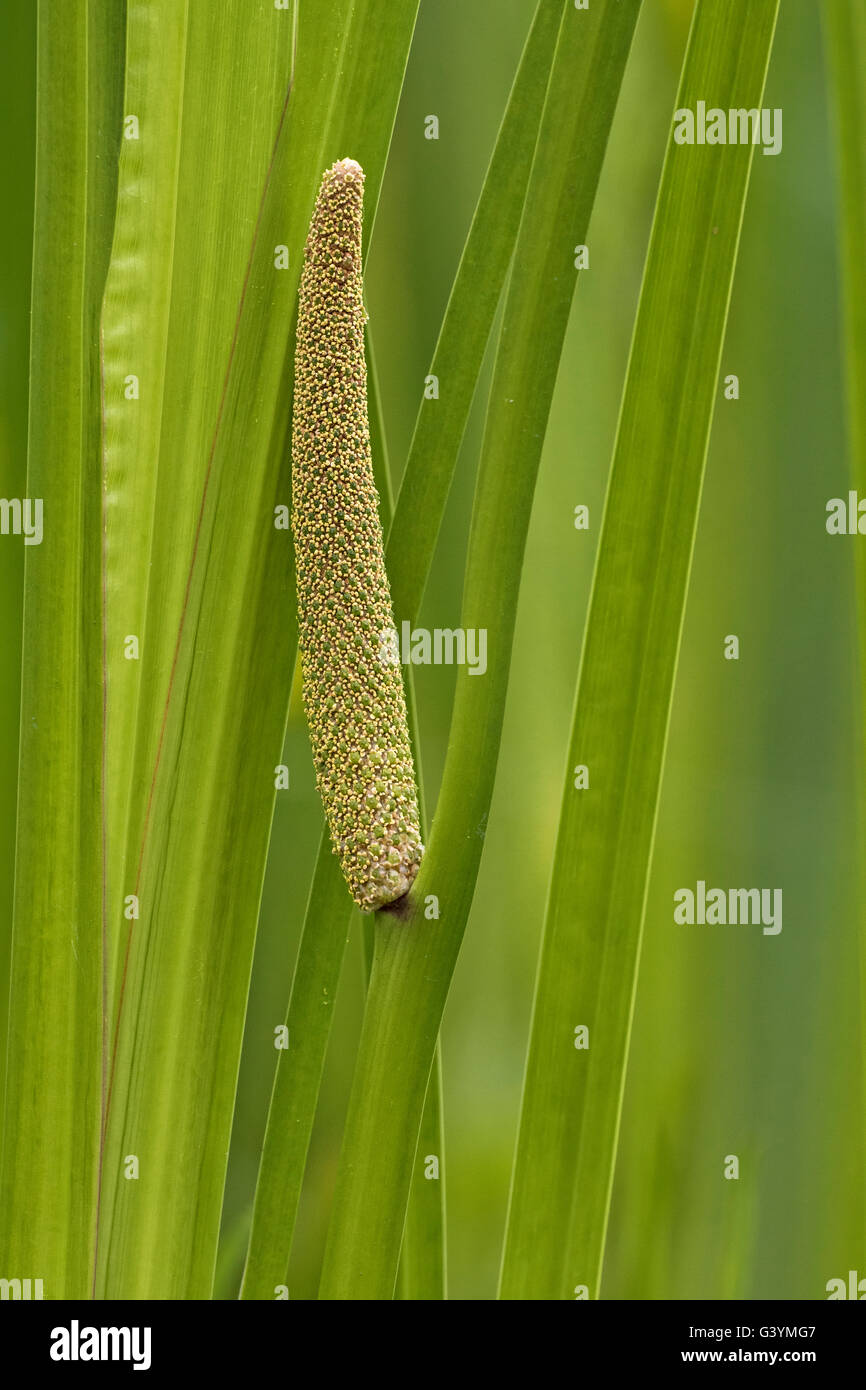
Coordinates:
353 689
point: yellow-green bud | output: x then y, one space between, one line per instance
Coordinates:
353 688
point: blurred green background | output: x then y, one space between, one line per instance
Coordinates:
743 1044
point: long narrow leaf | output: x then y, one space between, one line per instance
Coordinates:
466 326
192 384
423 1261
846 47
55 1065
572 1097
207 296
415 954
17 132
846 55
845 25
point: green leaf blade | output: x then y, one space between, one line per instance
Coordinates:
845 26
469 315
194 568
415 956
572 1097
55 1070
